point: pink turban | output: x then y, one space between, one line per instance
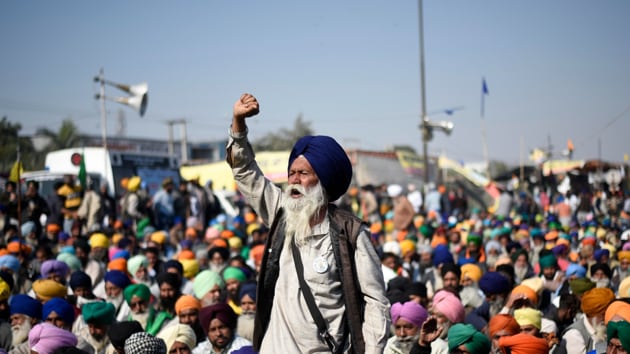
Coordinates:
449 305
410 312
46 338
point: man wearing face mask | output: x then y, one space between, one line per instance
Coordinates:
407 319
600 275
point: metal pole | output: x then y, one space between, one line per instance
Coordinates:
184 141
170 138
104 125
423 113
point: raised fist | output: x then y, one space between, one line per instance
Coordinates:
246 106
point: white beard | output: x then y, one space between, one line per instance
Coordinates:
143 318
20 332
300 211
245 325
404 344
520 272
600 330
601 283
116 300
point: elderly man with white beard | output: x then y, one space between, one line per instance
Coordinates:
339 264
407 319
247 300
589 332
25 312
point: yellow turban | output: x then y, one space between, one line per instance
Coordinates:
235 242
186 302
47 289
623 255
407 246
624 288
596 300
618 308
528 316
99 240
5 291
191 267
471 271
116 237
134 183
158 237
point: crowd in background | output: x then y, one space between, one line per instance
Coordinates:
537 273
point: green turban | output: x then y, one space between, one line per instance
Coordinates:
581 285
546 261
134 263
140 290
621 330
474 238
234 273
71 260
99 313
465 334
205 281
426 230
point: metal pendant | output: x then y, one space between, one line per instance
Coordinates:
320 265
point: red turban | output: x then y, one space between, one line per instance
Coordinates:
222 312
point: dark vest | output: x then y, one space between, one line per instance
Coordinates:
344 230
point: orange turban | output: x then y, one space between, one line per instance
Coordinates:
186 302
227 234
619 308
186 254
528 292
596 300
502 322
250 217
220 242
523 343
118 264
191 232
17 247
471 271
256 253
438 240
53 228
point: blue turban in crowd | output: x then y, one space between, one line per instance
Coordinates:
61 307
173 263
328 159
441 254
598 254
576 269
117 278
26 305
492 283
121 254
248 289
11 262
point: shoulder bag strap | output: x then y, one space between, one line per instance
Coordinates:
322 327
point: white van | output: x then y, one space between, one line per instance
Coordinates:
113 166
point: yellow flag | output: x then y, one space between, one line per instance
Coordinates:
16 172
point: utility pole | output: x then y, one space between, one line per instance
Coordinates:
184 138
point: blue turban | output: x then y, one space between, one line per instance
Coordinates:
80 279
26 305
492 283
248 289
328 159
121 254
27 228
61 307
117 278
598 254
175 264
441 254
576 269
11 262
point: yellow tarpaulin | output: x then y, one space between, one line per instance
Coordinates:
273 164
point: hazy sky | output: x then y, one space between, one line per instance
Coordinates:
555 69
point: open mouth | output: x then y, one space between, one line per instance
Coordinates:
295 193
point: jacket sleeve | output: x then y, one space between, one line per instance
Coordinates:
376 317
259 192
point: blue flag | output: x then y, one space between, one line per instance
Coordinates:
484 93
484 86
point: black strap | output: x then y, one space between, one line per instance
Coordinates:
322 327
